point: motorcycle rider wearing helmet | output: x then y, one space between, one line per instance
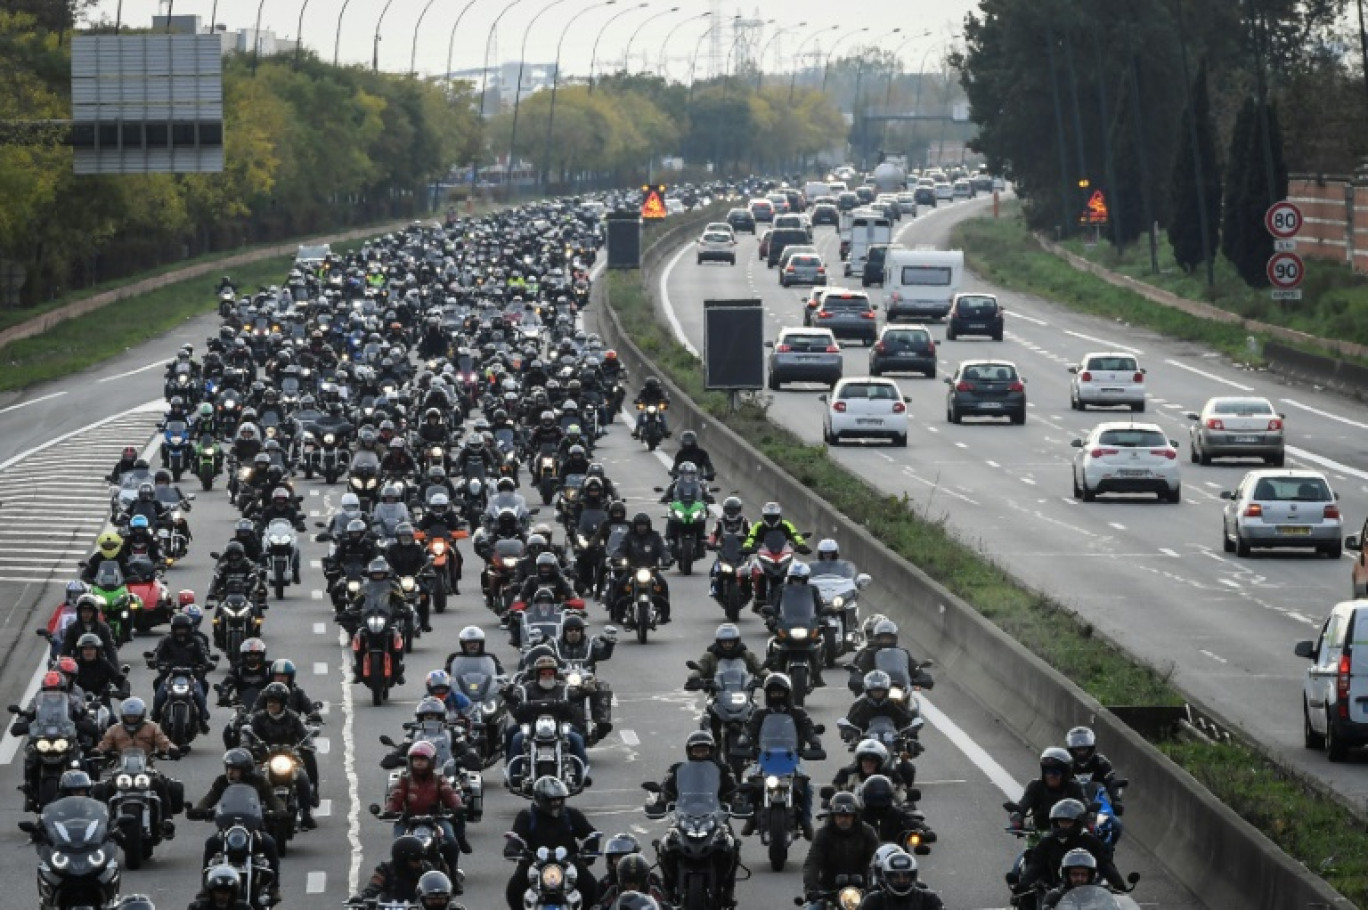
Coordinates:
829 551
730 523
700 746
435 708
771 519
147 505
95 673
472 644
246 443
240 768
546 574
1068 831
433 430
407 557
349 509
546 433
281 506
355 547
398 461
378 586
778 690
803 597
389 512
630 874
690 451
652 393
844 846
505 498
245 533
872 757
140 539
575 644
899 887
397 879
109 546
128 459
1077 870
550 823
439 518
882 807
1093 765
875 702
277 725
234 568
885 635
221 891
575 460
542 694
89 622
247 678
435 892
88 733
726 645
134 731
180 648
423 790
1056 782
642 547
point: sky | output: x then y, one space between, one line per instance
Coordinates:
580 21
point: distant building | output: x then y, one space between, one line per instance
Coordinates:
243 41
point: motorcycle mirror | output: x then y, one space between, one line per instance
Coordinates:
385 739
650 786
692 665
214 554
658 489
29 827
927 663
798 902
43 633
863 580
921 849
819 729
320 524
190 497
1011 807
1132 878
374 808
914 795
14 709
827 792
148 655
124 668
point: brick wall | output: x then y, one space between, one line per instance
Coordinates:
1336 215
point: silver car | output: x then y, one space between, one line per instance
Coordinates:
1282 508
804 355
1233 426
803 268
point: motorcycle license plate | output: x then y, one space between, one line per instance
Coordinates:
546 755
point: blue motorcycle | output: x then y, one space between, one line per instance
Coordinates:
175 448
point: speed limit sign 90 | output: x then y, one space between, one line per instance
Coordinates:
1283 219
1285 270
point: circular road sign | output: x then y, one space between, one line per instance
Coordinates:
1285 270
1283 219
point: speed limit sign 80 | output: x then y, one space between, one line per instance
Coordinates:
1283 219
1285 270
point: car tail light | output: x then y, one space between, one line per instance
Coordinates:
1085 376
839 407
784 348
1214 423
1016 387
1098 453
788 268
1342 684
1332 512
1275 424
1253 510
868 314
821 270
1170 454
880 348
833 349
1139 377
930 347
823 313
963 386
899 407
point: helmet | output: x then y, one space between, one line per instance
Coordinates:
222 878
1070 810
139 523
240 759
876 792
132 713
434 884
633 870
697 740
771 514
652 382
635 900
430 705
688 439
778 689
280 494
87 601
550 794
544 596
181 621
1055 761
356 528
844 803
52 680
886 633
871 748
422 749
234 551
72 781
799 573
621 845
472 634
876 680
378 570
108 544
74 590
899 873
728 637
572 621
146 492
1074 859
535 545
827 550
66 665
350 502
639 519
407 849
617 510
88 640
196 614
276 692
283 667
687 467
1082 743
731 507
253 649
404 529
438 679
541 664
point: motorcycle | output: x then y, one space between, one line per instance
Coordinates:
849 893
904 677
1103 818
173 531
686 523
840 587
238 818
208 460
180 718
733 585
150 598
699 836
545 468
175 448
440 543
280 543
181 384
364 481
507 445
730 708
329 458
651 429
568 499
551 876
428 832
280 766
117 604
77 862
770 566
236 619
775 777
136 807
52 738
379 642
588 556
477 677
544 753
640 608
499 572
448 739
797 639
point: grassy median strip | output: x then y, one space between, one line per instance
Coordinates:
1313 829
76 344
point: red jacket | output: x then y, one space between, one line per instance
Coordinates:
422 797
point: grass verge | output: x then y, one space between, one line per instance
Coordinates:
1313 829
76 344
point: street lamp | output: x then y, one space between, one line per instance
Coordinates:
451 42
698 46
826 70
660 69
517 89
555 82
764 49
856 109
375 42
888 90
627 56
413 53
593 56
337 42
484 88
797 57
299 33
256 37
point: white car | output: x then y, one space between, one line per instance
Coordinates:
1107 378
865 407
944 191
1126 458
715 226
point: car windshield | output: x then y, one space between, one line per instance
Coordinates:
807 261
717 238
875 391
1242 407
809 343
1133 438
1122 364
990 372
906 338
1292 489
845 303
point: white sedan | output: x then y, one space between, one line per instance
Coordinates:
865 407
1126 458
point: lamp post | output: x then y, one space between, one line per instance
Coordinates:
451 42
856 109
921 79
627 55
764 49
693 61
484 87
337 42
256 37
793 80
375 41
660 69
555 84
517 89
299 33
593 56
826 70
888 88
413 52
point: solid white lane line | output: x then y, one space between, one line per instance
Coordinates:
150 366
1212 376
669 307
9 745
349 768
24 404
971 749
1326 462
1318 412
1109 344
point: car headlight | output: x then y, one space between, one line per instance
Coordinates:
799 634
123 781
282 765
376 624
142 782
643 576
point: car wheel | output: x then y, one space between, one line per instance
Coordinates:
1335 749
1088 495
1310 738
833 439
700 261
1138 407
1241 545
875 371
1075 403
1334 550
1192 452
900 442
1175 495
931 373
774 382
1019 417
950 333
954 415
1077 490
1227 545
1276 461
997 336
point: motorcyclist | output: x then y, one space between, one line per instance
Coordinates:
778 690
397 879
147 505
235 568
547 574
1067 832
222 890
631 874
472 644
550 823
95 673
883 810
439 518
899 887
644 548
435 892
885 635
180 648
246 443
282 506
727 645
730 522
505 498
576 644
277 725
239 768
692 453
52 681
1092 765
436 707
128 459
109 546
796 591
407 557
355 547
1077 870
843 846
771 519
1055 783
420 790
389 513
398 461
135 731
872 757
876 703
543 694
245 533
576 461
379 586
546 433
652 393
88 622
700 746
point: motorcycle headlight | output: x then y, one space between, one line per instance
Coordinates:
60 745
370 484
913 841
358 483
489 707
436 452
97 858
552 878
838 601
270 432
123 781
799 634
736 698
772 782
849 898
574 680
245 474
406 583
546 726
581 540
176 515
142 782
60 860
282 765
279 540
725 567
439 546
643 576
376 624
509 562
329 439
353 586
177 440
678 513
896 693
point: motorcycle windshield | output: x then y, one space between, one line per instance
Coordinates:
590 520
697 783
774 541
365 460
52 715
688 491
832 570
133 761
75 823
108 576
732 675
504 439
239 805
573 482
894 662
166 494
1089 897
730 549
289 387
796 609
140 568
176 428
778 744
474 674
615 537
435 732
508 547
279 527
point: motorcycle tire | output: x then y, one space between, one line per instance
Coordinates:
308 472
177 473
686 555
799 677
330 477
732 604
206 481
643 622
652 442
696 894
279 585
439 599
133 847
377 688
778 837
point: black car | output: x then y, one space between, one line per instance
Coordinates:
903 349
986 388
865 194
741 220
874 265
847 201
826 213
782 237
925 195
973 314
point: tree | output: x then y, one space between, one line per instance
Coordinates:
1187 197
1250 189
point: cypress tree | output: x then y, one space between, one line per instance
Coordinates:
1250 191
1185 195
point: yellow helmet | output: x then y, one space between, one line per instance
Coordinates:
109 544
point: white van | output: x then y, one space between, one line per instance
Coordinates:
921 283
866 227
814 188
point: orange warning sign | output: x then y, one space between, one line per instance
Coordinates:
653 205
1096 212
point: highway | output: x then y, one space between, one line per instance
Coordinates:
969 767
1151 577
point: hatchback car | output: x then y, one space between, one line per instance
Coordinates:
779 238
944 192
907 203
987 388
1282 508
762 248
780 203
1335 689
741 220
849 314
848 201
974 314
925 195
962 189
875 256
717 246
762 210
1107 379
722 226
1234 427
802 268
826 213
1126 458
903 349
865 407
804 355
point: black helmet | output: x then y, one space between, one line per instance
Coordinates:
276 692
233 551
73 781
731 507
406 849
621 844
550 794
652 382
240 759
617 510
639 519
778 690
844 803
1078 859
378 570
700 739
135 902
181 621
434 884
1055 761
876 792
222 878
635 900
1067 810
633 872
1082 744
688 438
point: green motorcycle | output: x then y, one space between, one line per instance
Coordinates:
117 603
208 460
686 523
